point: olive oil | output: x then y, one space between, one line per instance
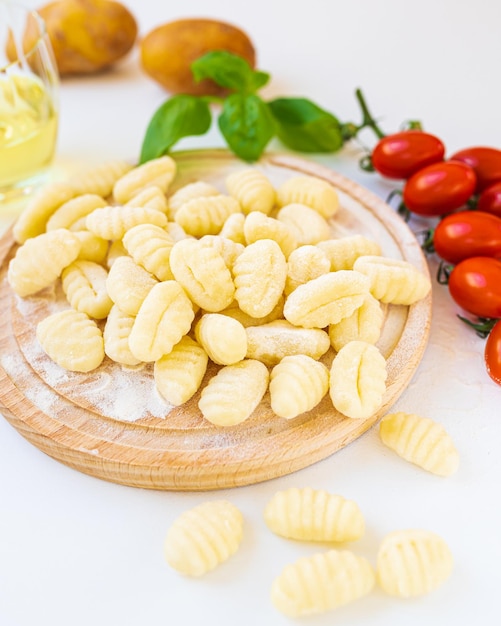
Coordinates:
28 127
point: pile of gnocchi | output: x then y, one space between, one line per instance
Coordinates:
249 278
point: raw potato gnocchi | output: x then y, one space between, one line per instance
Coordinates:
314 515
84 284
203 537
421 441
321 583
252 189
413 563
223 338
157 172
314 192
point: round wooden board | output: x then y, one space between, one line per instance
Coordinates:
112 424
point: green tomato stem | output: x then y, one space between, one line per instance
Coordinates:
368 120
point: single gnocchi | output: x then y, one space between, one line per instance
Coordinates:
259 226
41 259
72 214
314 515
112 222
191 191
247 381
84 284
364 324
150 198
412 563
297 384
164 317
116 337
252 189
72 340
304 264
421 441
342 252
233 228
308 225
259 274
322 582
314 192
202 272
273 341
179 374
150 247
203 537
327 299
358 380
223 338
206 215
92 248
128 284
158 172
393 280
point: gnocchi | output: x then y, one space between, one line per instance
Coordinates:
252 189
158 172
314 192
84 284
223 338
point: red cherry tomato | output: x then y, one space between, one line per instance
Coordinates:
401 154
466 234
485 161
439 188
475 285
492 354
490 200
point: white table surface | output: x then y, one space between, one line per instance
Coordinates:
75 550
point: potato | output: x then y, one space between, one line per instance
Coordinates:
87 35
168 51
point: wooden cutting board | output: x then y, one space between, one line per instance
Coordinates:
112 424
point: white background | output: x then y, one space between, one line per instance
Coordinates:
75 550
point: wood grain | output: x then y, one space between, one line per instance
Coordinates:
88 421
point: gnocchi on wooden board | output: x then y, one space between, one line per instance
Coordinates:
249 276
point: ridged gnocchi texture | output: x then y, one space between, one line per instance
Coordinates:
157 172
252 189
421 441
128 284
164 317
84 284
358 380
116 337
327 299
33 268
100 179
205 215
202 272
321 583
297 384
393 280
304 264
72 340
314 515
308 225
259 275
223 338
364 324
191 191
273 341
259 226
150 247
344 251
179 374
112 222
203 537
228 249
314 192
72 214
247 381
412 563
150 198
33 219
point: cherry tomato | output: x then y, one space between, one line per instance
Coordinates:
485 161
490 200
401 154
439 188
466 234
475 285
492 354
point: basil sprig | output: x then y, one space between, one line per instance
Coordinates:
246 121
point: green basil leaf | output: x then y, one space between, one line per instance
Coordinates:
247 125
304 126
228 70
180 116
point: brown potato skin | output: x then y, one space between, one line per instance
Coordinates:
168 50
87 36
